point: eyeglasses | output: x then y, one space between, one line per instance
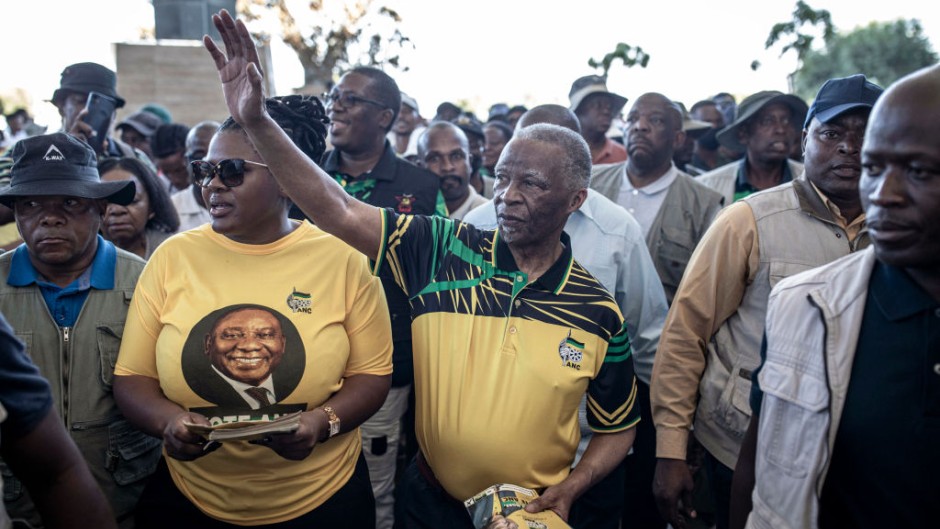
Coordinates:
347 99
230 172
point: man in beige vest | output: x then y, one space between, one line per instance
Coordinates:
711 341
844 427
672 208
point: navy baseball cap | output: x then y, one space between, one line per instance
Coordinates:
838 96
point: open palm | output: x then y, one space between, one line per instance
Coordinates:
239 69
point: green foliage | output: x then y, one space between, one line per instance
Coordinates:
883 51
343 33
801 43
629 55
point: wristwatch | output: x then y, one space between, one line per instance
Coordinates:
333 419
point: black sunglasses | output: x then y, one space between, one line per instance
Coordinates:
230 172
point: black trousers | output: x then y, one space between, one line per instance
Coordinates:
601 505
719 479
639 506
163 506
421 504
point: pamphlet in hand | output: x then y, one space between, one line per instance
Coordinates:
247 430
510 501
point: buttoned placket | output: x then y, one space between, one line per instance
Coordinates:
511 331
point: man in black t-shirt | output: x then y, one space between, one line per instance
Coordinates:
362 108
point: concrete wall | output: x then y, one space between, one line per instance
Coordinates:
178 74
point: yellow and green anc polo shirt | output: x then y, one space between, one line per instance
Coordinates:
501 364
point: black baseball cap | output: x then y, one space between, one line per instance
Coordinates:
838 96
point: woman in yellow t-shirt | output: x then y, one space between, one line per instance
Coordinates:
250 318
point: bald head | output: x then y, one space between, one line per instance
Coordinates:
441 129
652 134
551 114
443 149
669 108
919 91
900 183
198 137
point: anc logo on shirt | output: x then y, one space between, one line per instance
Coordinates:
405 203
299 302
571 352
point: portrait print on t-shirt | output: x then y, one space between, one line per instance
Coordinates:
245 359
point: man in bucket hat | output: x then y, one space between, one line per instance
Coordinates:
596 108
762 129
66 292
70 98
711 341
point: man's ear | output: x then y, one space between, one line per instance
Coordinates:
386 118
679 141
577 200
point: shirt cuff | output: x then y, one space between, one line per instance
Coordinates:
671 443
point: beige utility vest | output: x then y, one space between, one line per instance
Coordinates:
795 232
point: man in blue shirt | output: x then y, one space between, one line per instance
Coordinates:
66 292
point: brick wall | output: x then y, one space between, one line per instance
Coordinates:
178 74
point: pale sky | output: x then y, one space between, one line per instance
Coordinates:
483 51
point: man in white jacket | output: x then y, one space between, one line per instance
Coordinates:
849 391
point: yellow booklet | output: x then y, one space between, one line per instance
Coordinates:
510 501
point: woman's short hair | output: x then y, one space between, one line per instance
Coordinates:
302 117
165 218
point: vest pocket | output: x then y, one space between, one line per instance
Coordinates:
109 344
12 488
734 407
132 454
779 270
673 254
793 426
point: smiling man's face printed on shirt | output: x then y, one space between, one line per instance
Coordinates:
246 345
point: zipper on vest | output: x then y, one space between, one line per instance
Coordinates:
66 370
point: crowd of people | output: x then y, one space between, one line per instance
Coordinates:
727 316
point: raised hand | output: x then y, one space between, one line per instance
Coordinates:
239 69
